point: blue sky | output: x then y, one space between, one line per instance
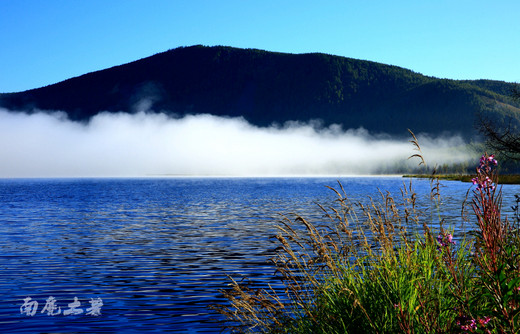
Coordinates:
44 42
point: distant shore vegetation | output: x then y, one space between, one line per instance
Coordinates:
504 179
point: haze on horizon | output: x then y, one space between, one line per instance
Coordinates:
144 144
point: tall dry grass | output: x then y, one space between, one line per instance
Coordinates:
384 267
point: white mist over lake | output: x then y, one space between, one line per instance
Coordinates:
147 144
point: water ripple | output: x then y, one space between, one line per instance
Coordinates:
156 251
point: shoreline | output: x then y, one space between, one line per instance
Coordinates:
502 179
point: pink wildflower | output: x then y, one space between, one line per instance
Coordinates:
445 240
483 181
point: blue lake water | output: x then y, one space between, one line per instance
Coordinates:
153 251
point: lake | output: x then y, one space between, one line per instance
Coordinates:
150 254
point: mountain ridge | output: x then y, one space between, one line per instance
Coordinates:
272 87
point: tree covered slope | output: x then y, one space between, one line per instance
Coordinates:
269 87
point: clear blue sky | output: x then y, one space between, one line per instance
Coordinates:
47 41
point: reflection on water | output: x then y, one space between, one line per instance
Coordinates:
155 251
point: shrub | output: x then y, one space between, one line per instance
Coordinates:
382 267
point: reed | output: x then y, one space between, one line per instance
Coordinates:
383 266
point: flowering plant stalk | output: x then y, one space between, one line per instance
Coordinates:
496 256
381 268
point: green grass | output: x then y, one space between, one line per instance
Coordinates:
384 266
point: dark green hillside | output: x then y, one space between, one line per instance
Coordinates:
268 87
497 87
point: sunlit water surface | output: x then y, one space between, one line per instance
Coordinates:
155 251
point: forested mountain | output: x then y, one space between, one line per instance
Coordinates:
269 87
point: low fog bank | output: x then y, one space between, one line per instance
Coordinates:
147 144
